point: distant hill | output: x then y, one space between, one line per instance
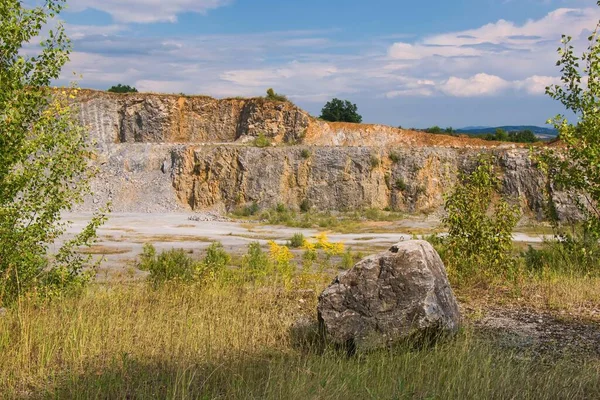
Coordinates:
541 132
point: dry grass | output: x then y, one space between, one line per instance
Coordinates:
104 250
169 239
126 341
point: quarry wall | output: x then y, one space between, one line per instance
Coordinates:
160 153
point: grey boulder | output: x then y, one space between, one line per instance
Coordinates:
390 297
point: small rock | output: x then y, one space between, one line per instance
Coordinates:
3 312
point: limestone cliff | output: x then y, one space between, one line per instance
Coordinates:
167 152
147 118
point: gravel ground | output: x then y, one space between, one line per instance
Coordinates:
540 333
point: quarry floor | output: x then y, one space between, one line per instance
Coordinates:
122 237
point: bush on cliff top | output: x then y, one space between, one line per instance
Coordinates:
122 89
338 110
272 96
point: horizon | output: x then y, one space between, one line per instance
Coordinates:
418 65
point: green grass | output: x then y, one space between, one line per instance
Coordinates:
261 141
126 341
232 338
342 222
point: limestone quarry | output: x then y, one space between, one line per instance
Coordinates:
160 153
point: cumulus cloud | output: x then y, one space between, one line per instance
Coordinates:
146 11
494 59
475 86
537 85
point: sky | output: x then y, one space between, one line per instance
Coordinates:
404 63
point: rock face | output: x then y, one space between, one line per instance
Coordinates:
147 118
389 297
160 153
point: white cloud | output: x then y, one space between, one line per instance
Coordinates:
524 36
146 11
475 86
537 85
495 59
407 51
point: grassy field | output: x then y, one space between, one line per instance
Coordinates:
227 333
128 341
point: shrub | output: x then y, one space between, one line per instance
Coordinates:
305 206
400 184
215 262
279 214
248 210
574 254
297 241
272 96
255 263
374 160
122 89
171 265
305 153
478 241
328 247
261 141
394 157
373 214
281 258
348 260
436 130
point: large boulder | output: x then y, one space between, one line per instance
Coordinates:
389 297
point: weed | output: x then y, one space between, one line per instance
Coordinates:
262 141
214 263
394 157
347 261
297 241
374 161
255 264
172 265
247 211
305 206
401 185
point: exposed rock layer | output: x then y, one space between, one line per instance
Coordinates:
166 152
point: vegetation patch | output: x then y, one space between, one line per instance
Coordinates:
261 141
106 250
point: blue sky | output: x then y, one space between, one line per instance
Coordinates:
409 63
